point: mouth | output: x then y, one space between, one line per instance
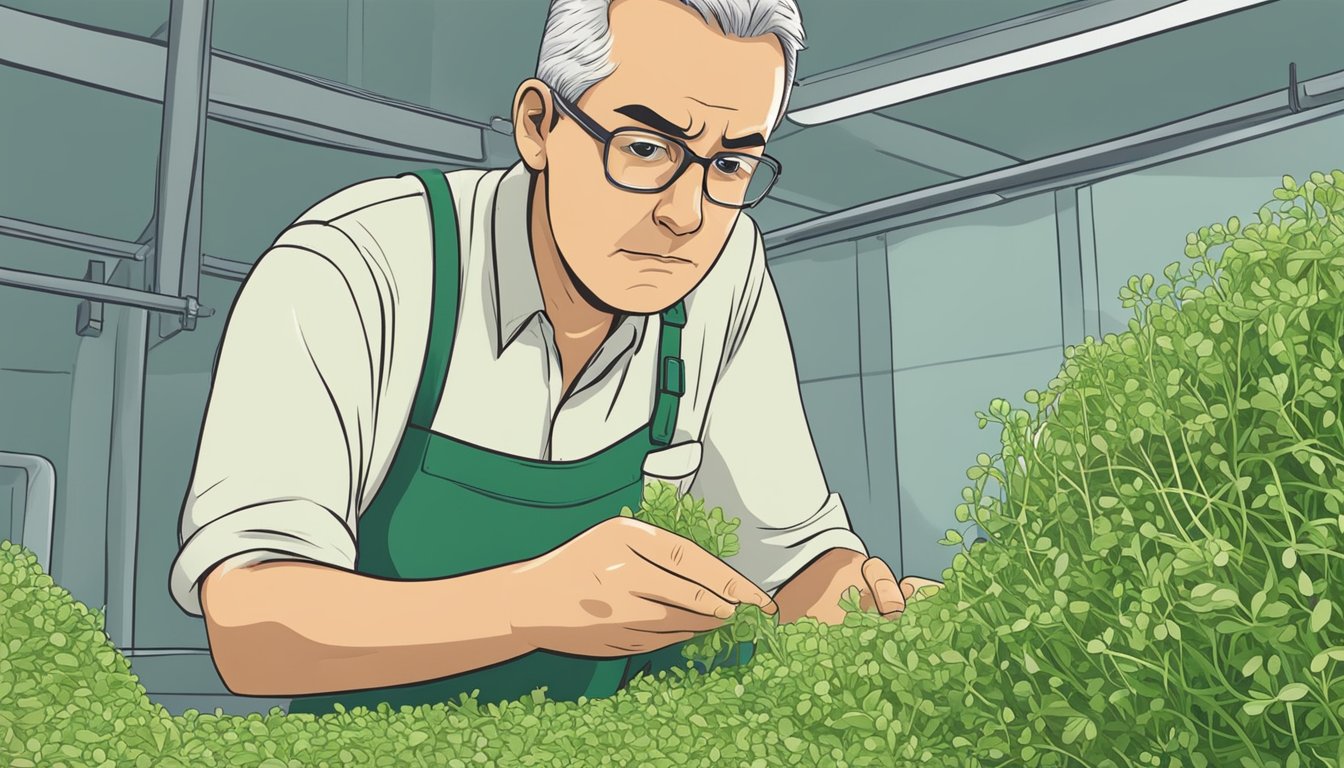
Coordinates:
657 257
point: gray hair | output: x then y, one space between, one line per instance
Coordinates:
576 45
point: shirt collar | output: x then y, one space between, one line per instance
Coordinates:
517 292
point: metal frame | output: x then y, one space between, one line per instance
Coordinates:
39 506
1001 49
1312 100
193 86
245 93
176 262
877 394
963 47
65 238
111 294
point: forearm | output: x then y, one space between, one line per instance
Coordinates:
289 628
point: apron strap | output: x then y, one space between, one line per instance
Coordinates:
671 376
443 312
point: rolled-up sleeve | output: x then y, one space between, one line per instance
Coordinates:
284 445
759 462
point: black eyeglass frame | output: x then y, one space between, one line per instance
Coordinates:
603 135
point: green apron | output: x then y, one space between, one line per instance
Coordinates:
448 507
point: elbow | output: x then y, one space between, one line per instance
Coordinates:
252 661
236 648
236 671
237 657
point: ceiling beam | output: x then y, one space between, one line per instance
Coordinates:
924 147
984 53
799 200
244 92
1304 102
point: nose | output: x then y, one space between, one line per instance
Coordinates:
681 206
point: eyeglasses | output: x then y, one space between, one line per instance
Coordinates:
640 160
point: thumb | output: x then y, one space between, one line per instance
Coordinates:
882 583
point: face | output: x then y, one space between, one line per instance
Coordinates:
675 76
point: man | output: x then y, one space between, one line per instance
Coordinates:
435 393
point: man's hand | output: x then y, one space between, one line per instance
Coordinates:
815 591
622 587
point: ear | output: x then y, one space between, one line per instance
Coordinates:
533 119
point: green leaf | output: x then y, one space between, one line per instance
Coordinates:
1265 401
1320 615
1256 706
1293 692
1320 660
1074 727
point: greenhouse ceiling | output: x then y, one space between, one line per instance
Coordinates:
1006 87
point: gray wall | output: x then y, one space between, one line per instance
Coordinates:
969 310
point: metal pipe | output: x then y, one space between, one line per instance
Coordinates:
1320 98
227 269
39 505
176 268
41 233
111 294
124 473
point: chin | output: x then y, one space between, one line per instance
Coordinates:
643 300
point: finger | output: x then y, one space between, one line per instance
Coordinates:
883 584
866 600
694 608
915 584
684 559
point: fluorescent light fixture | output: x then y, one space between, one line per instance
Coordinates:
1154 22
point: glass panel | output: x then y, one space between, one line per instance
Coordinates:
835 418
87 158
1141 219
818 292
141 18
981 283
937 439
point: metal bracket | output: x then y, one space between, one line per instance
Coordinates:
89 316
193 312
1294 99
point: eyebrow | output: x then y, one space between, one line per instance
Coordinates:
657 122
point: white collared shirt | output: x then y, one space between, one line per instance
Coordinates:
321 356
